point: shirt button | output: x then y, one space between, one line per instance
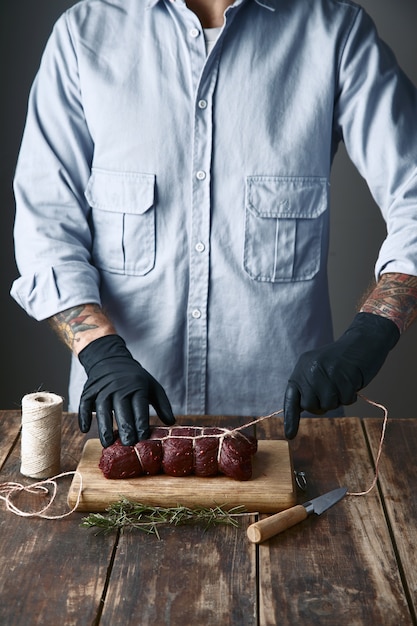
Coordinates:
202 104
194 32
200 247
201 175
196 314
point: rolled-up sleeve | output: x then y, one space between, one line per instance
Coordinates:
376 116
52 235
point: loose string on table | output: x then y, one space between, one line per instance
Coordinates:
380 446
381 443
10 489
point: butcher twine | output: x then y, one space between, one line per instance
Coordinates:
381 441
7 490
41 435
224 432
40 454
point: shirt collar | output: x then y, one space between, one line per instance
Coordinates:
267 4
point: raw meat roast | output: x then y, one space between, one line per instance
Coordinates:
181 451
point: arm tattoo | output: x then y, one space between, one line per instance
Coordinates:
68 323
394 297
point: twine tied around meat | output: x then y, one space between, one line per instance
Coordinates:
225 432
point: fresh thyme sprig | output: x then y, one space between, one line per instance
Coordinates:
128 515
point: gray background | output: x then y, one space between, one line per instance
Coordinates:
34 359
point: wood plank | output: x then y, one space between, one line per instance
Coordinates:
339 567
270 489
51 571
190 576
398 480
10 422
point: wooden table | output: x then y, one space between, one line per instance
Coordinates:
356 564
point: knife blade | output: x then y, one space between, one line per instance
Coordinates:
274 524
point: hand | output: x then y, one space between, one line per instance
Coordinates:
331 376
116 382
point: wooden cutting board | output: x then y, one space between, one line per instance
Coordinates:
270 489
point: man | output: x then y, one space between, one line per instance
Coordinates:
172 197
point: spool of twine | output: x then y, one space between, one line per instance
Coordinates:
41 435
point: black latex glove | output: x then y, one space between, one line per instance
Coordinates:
116 382
331 376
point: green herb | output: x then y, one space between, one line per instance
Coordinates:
128 515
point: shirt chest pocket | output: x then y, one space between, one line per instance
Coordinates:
123 221
285 218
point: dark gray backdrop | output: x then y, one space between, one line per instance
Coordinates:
33 358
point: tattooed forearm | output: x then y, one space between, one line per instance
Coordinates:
68 323
394 297
80 325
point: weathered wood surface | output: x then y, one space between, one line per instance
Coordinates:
10 422
188 577
398 482
51 572
338 568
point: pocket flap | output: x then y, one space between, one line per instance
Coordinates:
120 192
287 197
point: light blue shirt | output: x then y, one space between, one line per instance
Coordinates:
189 194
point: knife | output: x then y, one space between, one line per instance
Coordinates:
274 524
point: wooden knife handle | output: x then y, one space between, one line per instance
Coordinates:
274 524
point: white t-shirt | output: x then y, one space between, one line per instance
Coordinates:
210 36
